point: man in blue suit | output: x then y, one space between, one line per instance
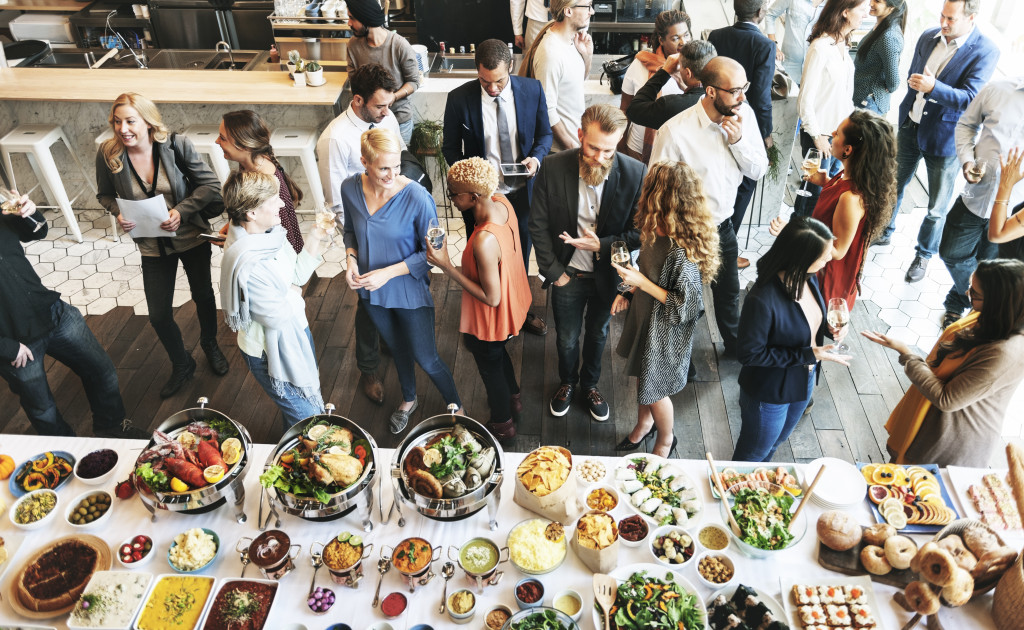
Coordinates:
950 66
503 119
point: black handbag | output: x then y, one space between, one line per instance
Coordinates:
615 70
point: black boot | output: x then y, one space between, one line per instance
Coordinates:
180 375
218 362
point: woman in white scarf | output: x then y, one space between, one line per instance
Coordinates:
259 286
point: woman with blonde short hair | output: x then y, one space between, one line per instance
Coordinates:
386 220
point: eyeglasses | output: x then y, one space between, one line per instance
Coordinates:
584 6
734 91
453 195
974 295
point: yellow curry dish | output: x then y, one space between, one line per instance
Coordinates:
175 603
412 555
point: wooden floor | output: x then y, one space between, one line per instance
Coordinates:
851 404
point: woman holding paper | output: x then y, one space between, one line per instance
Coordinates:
142 161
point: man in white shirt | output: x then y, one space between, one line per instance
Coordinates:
719 138
536 14
560 60
992 125
338 152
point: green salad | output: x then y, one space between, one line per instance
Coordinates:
648 602
543 620
764 518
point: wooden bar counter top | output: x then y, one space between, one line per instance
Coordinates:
44 5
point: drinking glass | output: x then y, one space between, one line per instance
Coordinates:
811 164
326 221
974 176
435 233
620 256
838 317
10 204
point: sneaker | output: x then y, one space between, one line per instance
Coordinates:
810 405
560 402
598 407
400 419
949 319
917 269
125 431
881 241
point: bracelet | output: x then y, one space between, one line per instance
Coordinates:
1001 201
353 256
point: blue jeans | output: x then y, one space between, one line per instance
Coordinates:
73 344
294 406
964 243
406 130
576 305
804 206
870 105
409 332
766 425
941 171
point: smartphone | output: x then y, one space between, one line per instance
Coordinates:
213 238
513 170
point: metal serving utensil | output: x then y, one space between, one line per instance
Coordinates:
317 560
383 565
447 571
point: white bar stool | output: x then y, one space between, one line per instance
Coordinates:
204 138
300 142
35 141
100 139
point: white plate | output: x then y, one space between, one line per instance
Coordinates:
863 581
653 570
773 604
842 485
625 498
12 542
148 580
963 478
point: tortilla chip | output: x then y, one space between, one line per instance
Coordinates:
544 470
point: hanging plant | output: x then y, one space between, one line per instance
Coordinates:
427 139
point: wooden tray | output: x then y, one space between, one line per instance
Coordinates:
103 565
848 563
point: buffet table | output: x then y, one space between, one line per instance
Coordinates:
353 606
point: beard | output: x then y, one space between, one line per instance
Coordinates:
722 108
594 175
363 32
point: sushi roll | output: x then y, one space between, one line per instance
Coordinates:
680 516
651 505
640 496
629 486
692 506
687 494
739 598
679 482
720 616
755 614
625 474
668 471
663 514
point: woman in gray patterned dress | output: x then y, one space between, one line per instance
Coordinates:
679 248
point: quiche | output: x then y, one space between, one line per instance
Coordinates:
57 576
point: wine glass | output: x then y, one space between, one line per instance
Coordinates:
326 221
435 233
810 166
10 203
974 175
620 256
838 317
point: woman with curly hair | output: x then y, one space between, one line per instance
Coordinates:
953 414
678 252
495 290
857 203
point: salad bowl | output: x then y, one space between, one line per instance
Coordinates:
764 512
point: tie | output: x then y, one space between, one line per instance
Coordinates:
372 125
504 141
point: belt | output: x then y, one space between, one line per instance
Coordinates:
572 272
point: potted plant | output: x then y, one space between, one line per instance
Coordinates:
314 73
293 61
300 74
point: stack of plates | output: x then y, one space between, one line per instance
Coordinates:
841 487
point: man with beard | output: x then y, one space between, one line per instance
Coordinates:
583 201
338 152
372 43
560 59
719 138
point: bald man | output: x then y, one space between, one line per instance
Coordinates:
719 138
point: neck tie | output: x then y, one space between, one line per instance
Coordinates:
504 141
372 125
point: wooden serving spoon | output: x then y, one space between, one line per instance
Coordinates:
807 497
605 589
721 492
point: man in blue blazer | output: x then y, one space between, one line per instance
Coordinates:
950 66
472 129
744 42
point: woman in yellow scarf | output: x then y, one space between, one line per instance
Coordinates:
953 414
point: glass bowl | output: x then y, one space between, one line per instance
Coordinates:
560 617
798 528
544 523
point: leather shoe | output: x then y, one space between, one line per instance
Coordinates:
126 431
502 430
807 409
372 386
218 362
881 241
535 325
516 404
400 419
742 263
917 269
180 375
626 445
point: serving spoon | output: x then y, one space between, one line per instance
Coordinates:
721 492
807 497
317 560
383 565
447 571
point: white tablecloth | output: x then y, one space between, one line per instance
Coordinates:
353 606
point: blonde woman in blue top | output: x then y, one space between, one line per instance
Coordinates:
386 220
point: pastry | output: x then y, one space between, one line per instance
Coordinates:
874 560
960 588
922 598
955 546
57 576
899 551
878 533
838 530
994 563
938 566
980 540
915 564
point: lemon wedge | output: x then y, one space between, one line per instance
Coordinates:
231 451
214 473
177 485
318 431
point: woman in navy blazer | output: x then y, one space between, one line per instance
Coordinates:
779 355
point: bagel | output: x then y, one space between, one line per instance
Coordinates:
838 530
414 460
955 546
874 560
958 592
980 540
878 533
900 551
938 567
425 484
994 563
915 564
922 598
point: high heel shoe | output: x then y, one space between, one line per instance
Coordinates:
675 441
626 445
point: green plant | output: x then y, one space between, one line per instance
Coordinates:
427 139
774 161
294 57
313 66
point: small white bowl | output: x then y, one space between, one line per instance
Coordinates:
720 528
502 607
380 625
467 616
216 542
573 594
639 542
102 479
42 521
145 559
82 497
607 488
725 559
665 531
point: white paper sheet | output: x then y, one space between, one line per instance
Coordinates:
147 214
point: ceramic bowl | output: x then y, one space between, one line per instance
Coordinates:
76 505
502 608
607 488
571 594
138 563
31 496
722 557
102 479
540 600
722 530
687 553
467 616
216 542
640 542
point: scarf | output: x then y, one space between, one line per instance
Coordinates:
652 62
250 290
906 419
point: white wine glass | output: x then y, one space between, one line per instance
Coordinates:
620 256
10 203
810 166
435 233
326 221
838 317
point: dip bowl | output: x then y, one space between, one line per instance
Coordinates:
479 558
272 552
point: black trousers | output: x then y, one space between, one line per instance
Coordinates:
743 196
367 341
725 288
497 373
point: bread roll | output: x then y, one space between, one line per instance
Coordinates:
838 530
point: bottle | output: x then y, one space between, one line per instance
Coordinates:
275 56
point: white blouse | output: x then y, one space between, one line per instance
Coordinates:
826 89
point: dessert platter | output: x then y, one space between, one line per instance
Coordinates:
842 602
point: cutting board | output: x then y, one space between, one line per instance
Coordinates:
848 563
